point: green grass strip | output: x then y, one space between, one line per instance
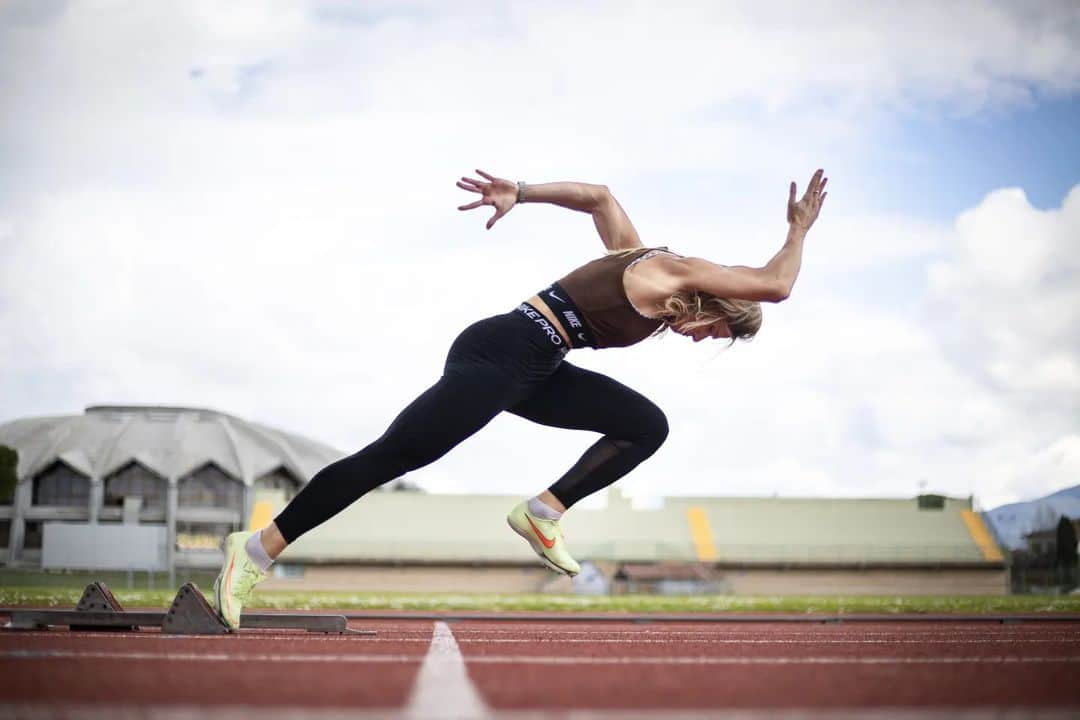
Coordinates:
493 602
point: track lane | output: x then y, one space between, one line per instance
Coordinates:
257 669
536 669
773 666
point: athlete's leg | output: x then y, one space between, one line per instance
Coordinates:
578 399
491 365
447 413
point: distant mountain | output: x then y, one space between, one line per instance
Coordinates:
1073 492
1012 522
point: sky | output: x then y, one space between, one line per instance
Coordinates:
251 207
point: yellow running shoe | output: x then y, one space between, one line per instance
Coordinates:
237 578
545 537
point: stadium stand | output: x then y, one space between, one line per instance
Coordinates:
204 473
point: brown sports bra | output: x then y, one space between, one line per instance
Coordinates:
596 288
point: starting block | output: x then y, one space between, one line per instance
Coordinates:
189 614
98 598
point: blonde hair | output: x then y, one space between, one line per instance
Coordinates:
699 309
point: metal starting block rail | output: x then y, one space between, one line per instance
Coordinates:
189 614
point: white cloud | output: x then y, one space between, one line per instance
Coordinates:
202 91
1048 469
1008 298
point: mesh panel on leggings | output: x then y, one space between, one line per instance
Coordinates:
602 464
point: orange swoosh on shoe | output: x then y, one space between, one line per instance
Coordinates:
547 543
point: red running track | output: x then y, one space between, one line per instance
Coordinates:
516 669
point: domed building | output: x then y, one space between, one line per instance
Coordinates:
199 472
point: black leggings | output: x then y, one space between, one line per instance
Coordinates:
506 362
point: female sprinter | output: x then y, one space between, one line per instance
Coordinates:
515 362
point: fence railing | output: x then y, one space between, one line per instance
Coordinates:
1043 580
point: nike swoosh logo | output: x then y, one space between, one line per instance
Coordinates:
552 294
547 543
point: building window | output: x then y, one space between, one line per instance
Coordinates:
280 479
931 502
209 486
32 535
5 533
9 462
134 480
60 485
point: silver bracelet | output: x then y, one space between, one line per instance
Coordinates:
521 191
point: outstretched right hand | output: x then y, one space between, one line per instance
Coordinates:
804 212
496 191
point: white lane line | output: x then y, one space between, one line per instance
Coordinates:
448 667
205 656
291 639
443 688
672 641
707 660
737 633
631 640
526 636
729 641
51 711
550 636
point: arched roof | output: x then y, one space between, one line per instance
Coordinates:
168 440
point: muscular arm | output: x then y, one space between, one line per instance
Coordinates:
771 283
615 229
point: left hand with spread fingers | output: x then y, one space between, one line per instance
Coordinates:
500 193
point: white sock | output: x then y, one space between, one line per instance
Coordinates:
542 510
257 552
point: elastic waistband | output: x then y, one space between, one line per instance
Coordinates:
542 323
572 319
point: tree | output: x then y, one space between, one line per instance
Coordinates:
1066 550
9 460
